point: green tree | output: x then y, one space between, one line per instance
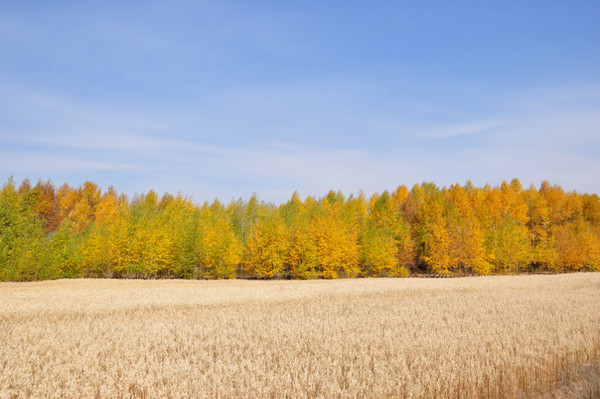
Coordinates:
22 239
182 223
385 244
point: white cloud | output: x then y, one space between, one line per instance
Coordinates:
544 136
466 128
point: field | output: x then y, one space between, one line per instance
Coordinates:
502 336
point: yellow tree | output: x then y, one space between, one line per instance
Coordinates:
80 217
385 243
94 251
151 244
66 197
438 252
108 248
78 206
432 230
107 207
244 215
297 216
181 218
354 214
336 244
119 233
267 248
578 247
218 248
407 253
543 248
378 252
563 208
152 249
403 202
591 209
47 205
508 238
467 238
399 197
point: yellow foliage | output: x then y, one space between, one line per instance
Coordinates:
460 229
218 248
266 249
578 247
336 247
379 253
438 251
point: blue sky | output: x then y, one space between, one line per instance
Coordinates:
226 98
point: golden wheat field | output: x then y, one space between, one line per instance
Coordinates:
479 337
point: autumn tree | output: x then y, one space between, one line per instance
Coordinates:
243 215
302 256
46 205
181 218
267 248
80 231
336 243
507 237
540 230
578 247
432 232
218 249
384 249
65 253
22 241
469 254
151 246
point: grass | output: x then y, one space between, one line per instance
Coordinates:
477 337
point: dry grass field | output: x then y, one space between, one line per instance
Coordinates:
480 337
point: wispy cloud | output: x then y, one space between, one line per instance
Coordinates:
467 128
549 135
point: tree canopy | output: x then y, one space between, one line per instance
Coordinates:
48 232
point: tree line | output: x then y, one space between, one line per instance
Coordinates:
48 232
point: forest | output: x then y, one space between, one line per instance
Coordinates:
49 232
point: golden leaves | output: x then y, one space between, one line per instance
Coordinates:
80 231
